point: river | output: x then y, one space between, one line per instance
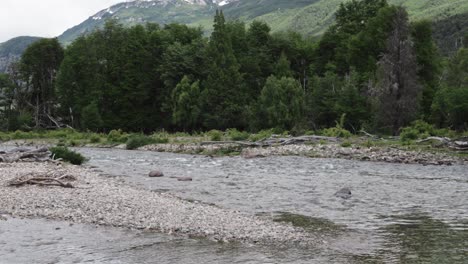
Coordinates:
397 213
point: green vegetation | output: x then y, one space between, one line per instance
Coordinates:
309 223
67 155
372 70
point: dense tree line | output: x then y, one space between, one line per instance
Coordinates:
372 69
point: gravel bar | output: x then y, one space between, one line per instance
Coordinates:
109 201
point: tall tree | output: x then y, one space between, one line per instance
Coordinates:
398 87
282 101
39 66
429 63
186 104
224 97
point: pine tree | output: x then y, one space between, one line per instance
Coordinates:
224 102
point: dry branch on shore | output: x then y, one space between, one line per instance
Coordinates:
44 179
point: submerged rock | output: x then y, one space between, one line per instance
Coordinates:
156 174
184 178
344 193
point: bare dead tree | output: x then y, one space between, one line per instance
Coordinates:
397 85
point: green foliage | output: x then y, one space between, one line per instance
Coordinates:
38 67
160 137
237 135
186 104
263 134
67 155
138 140
282 103
117 136
346 144
215 135
450 106
95 139
90 117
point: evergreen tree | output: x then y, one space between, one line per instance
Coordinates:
224 97
429 63
91 118
398 88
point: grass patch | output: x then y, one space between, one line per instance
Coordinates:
308 223
67 155
138 140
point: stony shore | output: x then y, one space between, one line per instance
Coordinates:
330 150
111 202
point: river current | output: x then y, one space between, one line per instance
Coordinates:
397 213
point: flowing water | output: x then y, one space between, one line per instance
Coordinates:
397 213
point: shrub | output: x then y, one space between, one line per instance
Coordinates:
67 155
137 140
346 144
236 135
263 134
409 133
117 136
95 138
336 132
160 137
215 135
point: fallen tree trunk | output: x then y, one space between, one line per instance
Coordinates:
22 154
43 180
273 141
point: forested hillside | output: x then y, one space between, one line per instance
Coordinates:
373 69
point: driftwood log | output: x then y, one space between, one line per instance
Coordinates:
459 144
24 154
274 141
44 179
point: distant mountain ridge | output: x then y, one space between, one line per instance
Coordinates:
310 17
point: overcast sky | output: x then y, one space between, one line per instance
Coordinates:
45 18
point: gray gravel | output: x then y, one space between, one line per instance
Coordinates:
109 201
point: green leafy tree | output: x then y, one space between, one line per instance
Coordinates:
282 101
429 63
321 100
186 104
91 118
39 65
450 106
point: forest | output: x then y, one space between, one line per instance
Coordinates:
373 70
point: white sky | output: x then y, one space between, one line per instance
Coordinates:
45 18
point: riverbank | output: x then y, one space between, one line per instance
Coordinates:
359 149
109 201
389 154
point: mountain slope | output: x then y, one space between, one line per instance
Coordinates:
310 17
11 50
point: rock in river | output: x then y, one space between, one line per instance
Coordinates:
344 193
184 178
156 173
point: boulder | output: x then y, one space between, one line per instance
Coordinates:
344 193
156 173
